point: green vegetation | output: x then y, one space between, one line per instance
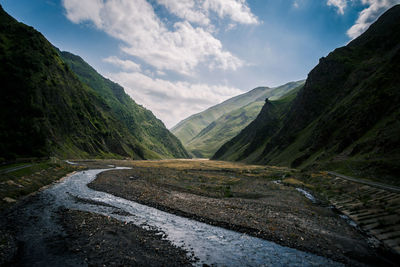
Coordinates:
216 179
203 133
141 123
222 129
345 116
19 183
247 143
47 110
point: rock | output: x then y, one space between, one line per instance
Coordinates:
9 200
11 182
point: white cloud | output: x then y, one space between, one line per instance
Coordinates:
78 11
127 65
172 101
182 50
189 10
145 36
184 47
369 15
339 4
236 10
197 11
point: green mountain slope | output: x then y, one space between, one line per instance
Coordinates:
199 133
249 142
141 123
47 110
211 138
191 126
344 118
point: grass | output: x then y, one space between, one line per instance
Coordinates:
207 142
190 129
295 182
20 183
218 179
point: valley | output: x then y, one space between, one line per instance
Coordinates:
302 173
259 201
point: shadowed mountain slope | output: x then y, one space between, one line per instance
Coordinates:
141 123
46 110
345 118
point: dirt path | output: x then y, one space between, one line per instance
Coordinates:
8 170
391 188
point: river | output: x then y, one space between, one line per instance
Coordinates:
212 245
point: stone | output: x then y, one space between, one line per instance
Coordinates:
9 200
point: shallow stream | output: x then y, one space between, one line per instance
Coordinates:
210 244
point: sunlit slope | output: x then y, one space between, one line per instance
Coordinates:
203 133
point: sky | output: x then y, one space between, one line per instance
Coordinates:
179 57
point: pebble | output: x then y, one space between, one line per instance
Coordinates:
9 200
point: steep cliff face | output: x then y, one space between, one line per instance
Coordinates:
46 110
346 115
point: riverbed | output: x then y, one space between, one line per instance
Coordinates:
210 244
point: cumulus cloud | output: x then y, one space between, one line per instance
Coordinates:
189 10
182 50
145 36
369 15
183 47
339 4
172 101
197 11
78 11
127 65
236 10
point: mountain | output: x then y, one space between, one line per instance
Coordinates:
211 138
46 110
140 122
203 133
345 118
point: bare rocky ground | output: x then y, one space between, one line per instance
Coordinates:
104 241
80 239
32 234
247 199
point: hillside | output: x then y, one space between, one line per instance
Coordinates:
211 138
203 133
140 122
46 110
345 118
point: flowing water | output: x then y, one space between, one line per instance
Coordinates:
210 244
